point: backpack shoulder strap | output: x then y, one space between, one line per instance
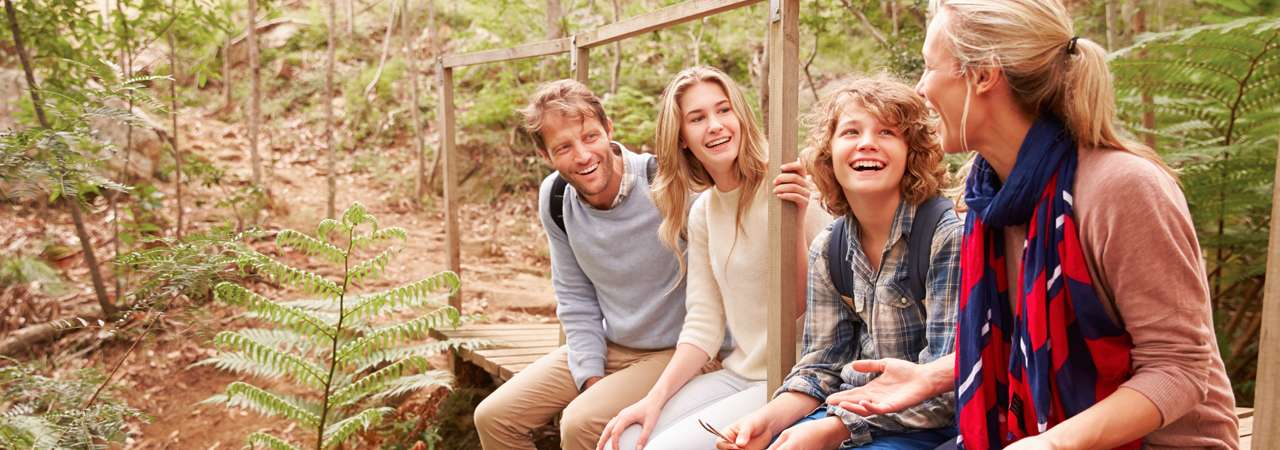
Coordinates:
920 242
559 186
837 266
651 169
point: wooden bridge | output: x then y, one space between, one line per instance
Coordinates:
520 344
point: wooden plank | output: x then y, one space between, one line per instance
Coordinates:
1266 399
1246 426
512 334
498 352
662 18
530 50
448 143
784 86
514 359
1244 412
508 326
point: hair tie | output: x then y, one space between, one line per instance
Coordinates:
1071 45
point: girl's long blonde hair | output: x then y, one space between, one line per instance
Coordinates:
680 173
1048 67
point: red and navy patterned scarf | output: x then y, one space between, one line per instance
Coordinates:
1027 363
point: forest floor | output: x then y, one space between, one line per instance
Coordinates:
505 272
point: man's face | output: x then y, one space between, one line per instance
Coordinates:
579 148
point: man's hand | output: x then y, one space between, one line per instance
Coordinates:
901 385
823 434
590 381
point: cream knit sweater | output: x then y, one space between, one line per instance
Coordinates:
727 275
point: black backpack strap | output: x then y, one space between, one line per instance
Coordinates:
920 242
559 186
837 266
651 169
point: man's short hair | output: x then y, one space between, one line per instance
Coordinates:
567 97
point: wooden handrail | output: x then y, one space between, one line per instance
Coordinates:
662 18
530 50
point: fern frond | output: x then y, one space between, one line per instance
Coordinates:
340 431
371 383
271 360
310 246
426 380
286 340
356 215
248 396
291 318
384 337
283 274
380 235
271 442
419 293
328 226
371 268
377 357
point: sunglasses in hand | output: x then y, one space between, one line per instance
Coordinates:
713 431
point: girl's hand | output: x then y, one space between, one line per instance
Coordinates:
793 185
748 433
644 412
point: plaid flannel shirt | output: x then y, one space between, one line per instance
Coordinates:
879 322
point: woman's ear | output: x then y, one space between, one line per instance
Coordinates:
986 78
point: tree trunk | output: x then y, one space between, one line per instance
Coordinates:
21 340
435 51
226 73
386 48
554 16
255 102
71 199
1110 24
351 18
173 114
411 57
616 72
126 64
327 98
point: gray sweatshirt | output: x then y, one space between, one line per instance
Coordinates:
614 279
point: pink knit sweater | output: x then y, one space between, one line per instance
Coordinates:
1142 253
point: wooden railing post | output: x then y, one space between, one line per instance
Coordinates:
579 61
784 77
448 139
1266 399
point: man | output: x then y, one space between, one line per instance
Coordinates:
619 291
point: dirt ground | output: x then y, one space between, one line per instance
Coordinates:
505 273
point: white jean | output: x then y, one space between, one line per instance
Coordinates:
718 398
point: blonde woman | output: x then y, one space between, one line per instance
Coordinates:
708 141
878 166
1085 299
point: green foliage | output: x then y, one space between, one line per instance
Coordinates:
1214 91
39 412
634 118
338 349
21 270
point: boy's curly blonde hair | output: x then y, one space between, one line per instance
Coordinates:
890 101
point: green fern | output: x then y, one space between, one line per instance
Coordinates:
1213 93
340 347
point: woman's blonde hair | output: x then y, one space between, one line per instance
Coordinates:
892 102
680 173
1048 67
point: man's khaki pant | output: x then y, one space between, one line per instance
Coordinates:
508 417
